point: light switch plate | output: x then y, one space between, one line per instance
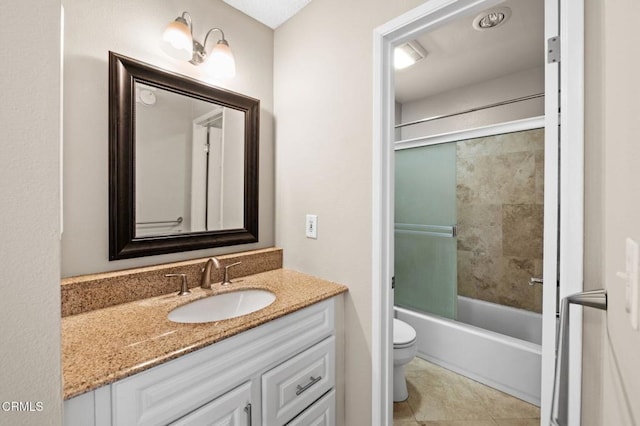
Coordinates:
312 226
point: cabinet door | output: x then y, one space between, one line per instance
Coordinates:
321 413
231 409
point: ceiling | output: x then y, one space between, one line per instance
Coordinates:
272 13
459 55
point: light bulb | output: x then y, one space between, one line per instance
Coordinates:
220 62
402 59
177 41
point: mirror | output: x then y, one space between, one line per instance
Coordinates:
183 163
189 164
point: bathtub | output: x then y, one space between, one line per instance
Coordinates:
492 344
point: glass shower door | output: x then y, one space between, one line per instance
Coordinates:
425 216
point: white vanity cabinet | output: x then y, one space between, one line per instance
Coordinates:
282 372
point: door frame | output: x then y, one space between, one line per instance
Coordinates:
565 19
200 173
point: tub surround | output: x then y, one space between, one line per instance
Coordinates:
102 346
89 292
500 206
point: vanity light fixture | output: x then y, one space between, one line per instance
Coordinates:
408 54
178 42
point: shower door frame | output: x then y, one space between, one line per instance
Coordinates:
564 183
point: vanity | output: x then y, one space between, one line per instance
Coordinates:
183 175
280 373
128 364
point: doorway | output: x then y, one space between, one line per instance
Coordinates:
563 185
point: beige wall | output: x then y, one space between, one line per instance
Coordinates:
94 27
510 86
30 188
323 68
611 379
620 187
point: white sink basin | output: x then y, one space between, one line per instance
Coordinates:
222 306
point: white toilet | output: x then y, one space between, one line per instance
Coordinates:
404 350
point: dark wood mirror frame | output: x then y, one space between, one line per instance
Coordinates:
123 74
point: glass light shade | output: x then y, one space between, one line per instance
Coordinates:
177 41
220 62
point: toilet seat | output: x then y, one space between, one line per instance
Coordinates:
404 345
403 334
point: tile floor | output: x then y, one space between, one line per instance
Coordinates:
439 397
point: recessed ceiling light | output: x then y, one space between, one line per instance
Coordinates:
408 54
491 18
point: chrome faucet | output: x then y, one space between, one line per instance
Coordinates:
205 281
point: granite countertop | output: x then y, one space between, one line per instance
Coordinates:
105 345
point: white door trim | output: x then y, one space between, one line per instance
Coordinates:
428 16
572 184
551 194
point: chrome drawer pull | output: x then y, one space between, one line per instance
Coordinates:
313 381
247 410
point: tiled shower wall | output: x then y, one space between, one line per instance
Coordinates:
500 195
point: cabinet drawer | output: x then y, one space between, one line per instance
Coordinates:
231 409
321 413
295 384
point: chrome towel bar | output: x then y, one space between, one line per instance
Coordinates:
560 399
178 221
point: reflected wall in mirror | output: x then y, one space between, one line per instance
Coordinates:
189 164
183 163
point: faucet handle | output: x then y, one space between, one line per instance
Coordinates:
534 280
227 281
184 288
